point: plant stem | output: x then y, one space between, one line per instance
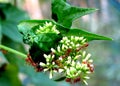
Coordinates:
13 51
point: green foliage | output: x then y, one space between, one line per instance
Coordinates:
37 78
88 35
10 17
0 31
2 59
9 76
65 14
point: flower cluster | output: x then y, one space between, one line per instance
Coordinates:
47 28
69 59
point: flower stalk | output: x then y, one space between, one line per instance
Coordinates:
13 51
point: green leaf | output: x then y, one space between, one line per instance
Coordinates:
60 79
46 41
9 76
11 16
42 43
9 27
0 31
3 60
65 14
88 35
37 78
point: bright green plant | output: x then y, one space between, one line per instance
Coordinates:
57 48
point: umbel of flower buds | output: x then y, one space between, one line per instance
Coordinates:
70 59
46 28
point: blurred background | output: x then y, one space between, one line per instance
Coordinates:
106 22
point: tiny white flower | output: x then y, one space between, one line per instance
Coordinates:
54 27
48 58
48 24
46 69
61 41
88 72
55 71
77 45
53 63
81 38
87 57
53 50
73 63
63 46
78 65
40 27
72 69
68 71
70 47
76 38
45 55
79 72
68 62
65 67
55 30
86 77
53 56
72 43
91 61
75 75
42 64
67 41
58 48
66 47
76 57
72 37
65 38
83 41
85 82
61 70
69 58
60 58
84 53
48 63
